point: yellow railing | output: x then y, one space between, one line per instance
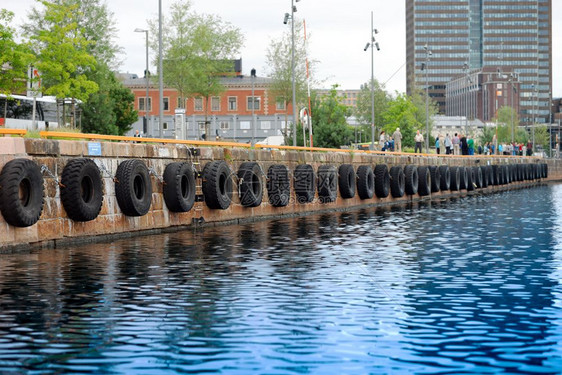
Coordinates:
90 137
20 132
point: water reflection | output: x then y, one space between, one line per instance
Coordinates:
470 286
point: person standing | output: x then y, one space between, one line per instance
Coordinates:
418 139
456 145
470 146
463 144
437 145
397 140
448 144
529 148
382 140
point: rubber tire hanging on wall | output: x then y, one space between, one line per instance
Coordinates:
455 179
424 181
81 192
133 188
397 182
411 177
278 185
179 186
21 192
250 185
496 177
445 174
327 183
435 178
346 181
382 181
365 182
478 180
470 181
463 180
217 185
304 183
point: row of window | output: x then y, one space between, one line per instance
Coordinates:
215 103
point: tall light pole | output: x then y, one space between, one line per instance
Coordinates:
373 44
466 83
253 74
428 54
535 100
138 30
292 18
160 73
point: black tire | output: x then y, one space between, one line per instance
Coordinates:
346 181
365 182
463 181
412 179
478 179
81 192
21 192
382 181
278 185
496 178
435 178
250 184
424 181
304 183
133 188
445 173
513 170
507 175
455 179
327 183
470 183
530 172
397 182
217 185
484 170
545 170
179 187
490 173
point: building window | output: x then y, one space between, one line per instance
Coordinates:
256 103
280 104
245 125
232 103
166 102
141 104
182 103
199 103
225 125
215 103
165 126
266 125
201 125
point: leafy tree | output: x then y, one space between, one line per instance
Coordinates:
329 122
363 110
14 59
279 69
198 50
62 56
111 109
403 113
418 99
95 22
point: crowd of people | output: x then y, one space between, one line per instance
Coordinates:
458 144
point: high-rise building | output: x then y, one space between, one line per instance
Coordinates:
445 39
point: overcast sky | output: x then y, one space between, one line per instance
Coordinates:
338 32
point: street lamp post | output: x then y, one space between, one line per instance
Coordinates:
138 30
292 18
373 44
160 73
512 109
253 74
466 94
428 53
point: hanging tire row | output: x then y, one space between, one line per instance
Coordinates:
81 185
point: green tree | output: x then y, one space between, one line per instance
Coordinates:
418 100
62 54
403 113
111 109
329 123
279 69
505 116
14 59
198 51
363 110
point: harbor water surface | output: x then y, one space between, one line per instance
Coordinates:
469 285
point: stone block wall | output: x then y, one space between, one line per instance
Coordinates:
54 225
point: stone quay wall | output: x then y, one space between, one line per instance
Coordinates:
54 228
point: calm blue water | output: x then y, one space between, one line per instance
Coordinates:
471 285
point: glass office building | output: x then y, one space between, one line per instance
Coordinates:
448 39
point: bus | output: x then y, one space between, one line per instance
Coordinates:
16 112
